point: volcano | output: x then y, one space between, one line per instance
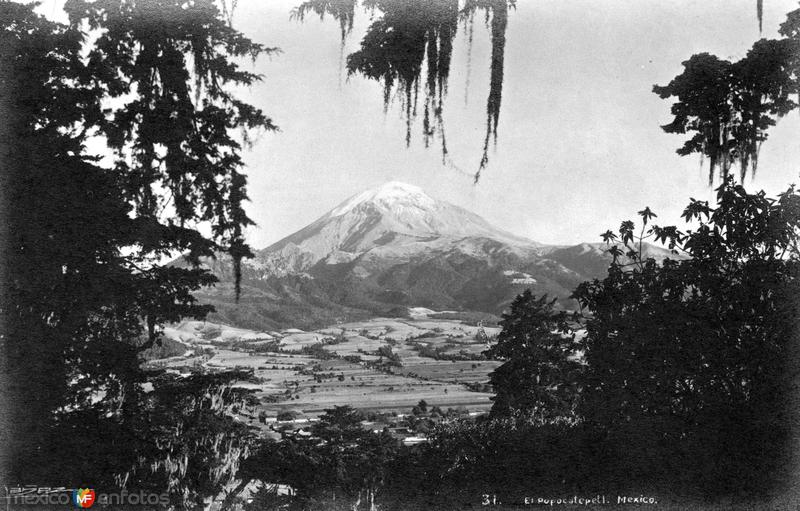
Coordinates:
390 248
390 223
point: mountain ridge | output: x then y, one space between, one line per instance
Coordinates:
392 215
389 248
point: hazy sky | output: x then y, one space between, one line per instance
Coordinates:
579 149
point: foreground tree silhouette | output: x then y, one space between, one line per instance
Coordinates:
689 377
539 375
730 106
689 357
83 290
338 466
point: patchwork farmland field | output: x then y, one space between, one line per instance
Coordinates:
383 364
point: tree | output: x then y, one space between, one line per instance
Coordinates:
695 354
356 460
51 198
83 288
539 371
730 106
177 132
197 446
339 425
340 464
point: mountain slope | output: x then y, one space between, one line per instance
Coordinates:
592 259
395 220
394 247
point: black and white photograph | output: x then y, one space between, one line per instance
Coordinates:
400 255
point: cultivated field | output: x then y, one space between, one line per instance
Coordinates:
383 364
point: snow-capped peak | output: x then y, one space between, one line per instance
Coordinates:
394 218
388 194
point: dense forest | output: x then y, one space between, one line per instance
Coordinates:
677 379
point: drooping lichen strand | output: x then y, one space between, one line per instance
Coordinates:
499 21
760 14
409 46
342 11
469 26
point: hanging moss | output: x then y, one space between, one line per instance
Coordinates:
499 12
760 14
409 45
469 26
412 40
341 10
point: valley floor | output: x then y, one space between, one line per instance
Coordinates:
382 365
